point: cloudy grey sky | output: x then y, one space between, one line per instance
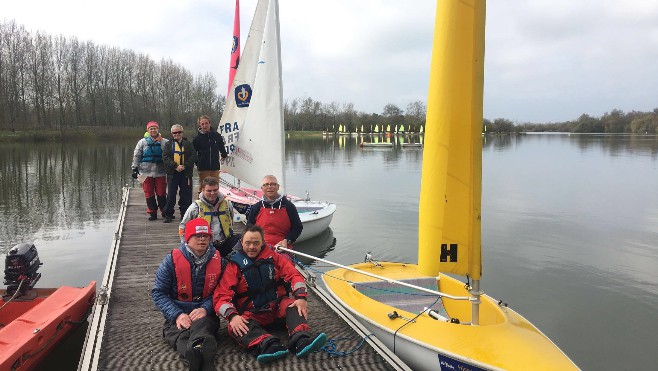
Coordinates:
546 61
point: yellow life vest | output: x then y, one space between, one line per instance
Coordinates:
222 213
179 152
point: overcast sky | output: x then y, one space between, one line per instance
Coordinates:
546 61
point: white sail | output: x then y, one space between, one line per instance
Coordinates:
252 123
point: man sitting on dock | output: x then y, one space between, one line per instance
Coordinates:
185 298
213 206
251 294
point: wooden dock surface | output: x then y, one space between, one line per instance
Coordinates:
125 332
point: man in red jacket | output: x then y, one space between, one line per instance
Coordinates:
251 294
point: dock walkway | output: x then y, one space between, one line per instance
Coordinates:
125 329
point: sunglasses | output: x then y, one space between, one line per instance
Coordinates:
177 132
270 184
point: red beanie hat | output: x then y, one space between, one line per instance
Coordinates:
197 226
152 123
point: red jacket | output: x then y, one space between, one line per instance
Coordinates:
230 295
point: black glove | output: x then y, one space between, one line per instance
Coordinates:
135 172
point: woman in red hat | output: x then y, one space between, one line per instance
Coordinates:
148 167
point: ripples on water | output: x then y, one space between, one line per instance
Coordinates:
570 223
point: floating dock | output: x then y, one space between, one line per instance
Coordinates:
125 331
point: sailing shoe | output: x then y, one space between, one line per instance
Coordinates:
168 219
305 345
154 216
273 351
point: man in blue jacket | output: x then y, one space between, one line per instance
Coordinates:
183 291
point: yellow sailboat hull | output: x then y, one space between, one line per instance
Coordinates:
503 340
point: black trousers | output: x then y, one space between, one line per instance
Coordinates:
178 182
180 339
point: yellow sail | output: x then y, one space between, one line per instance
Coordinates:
449 234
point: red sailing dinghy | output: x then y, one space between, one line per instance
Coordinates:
33 321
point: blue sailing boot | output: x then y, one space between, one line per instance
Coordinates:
306 345
272 351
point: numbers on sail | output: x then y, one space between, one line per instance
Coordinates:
231 134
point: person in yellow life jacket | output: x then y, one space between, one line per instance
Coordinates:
183 290
213 207
179 157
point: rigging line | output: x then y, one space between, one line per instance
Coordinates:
308 267
330 347
18 290
279 248
413 320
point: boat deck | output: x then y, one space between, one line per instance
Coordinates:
125 329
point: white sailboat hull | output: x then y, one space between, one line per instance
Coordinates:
315 215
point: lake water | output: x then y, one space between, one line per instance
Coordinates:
569 224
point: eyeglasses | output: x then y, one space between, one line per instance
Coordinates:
177 132
252 243
270 184
202 236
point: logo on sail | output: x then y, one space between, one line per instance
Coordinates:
234 47
242 95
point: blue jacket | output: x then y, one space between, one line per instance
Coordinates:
164 292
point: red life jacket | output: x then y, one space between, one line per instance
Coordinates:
275 224
184 275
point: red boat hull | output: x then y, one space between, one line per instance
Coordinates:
30 328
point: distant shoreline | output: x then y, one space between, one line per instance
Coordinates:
93 134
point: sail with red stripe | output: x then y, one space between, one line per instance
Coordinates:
235 48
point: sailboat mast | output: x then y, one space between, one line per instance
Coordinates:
276 28
451 186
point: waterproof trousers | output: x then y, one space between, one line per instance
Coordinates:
178 183
155 187
295 324
201 330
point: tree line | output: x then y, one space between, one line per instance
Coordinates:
57 82
615 121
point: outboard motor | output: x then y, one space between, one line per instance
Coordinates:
21 264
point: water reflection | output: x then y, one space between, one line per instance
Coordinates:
569 222
609 144
58 186
318 246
